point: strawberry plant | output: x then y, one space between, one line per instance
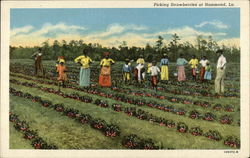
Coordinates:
98 124
232 141
214 135
112 130
196 131
71 112
194 114
229 108
217 107
130 111
117 107
226 119
170 123
59 107
209 116
45 103
29 134
182 127
21 126
13 117
131 141
85 118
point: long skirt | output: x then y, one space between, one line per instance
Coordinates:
84 77
105 78
208 75
202 73
154 81
181 73
164 72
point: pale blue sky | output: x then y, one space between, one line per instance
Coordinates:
223 23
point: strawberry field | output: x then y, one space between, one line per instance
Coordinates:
178 115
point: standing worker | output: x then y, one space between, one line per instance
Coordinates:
164 68
140 68
154 70
38 62
105 75
126 70
61 69
181 62
203 63
194 63
220 75
84 61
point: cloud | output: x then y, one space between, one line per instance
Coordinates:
215 23
115 29
21 30
230 42
112 35
187 31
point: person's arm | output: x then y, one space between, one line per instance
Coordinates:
112 61
90 60
224 61
185 61
161 62
34 55
101 63
190 62
77 60
158 69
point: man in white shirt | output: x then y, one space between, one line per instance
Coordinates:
220 75
154 72
203 63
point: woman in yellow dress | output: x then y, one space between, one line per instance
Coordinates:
164 68
105 76
84 61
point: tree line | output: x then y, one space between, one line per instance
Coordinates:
72 49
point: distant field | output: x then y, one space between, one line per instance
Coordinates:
132 108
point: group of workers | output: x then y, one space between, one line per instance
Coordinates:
140 73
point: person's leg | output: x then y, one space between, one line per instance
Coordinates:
218 81
222 81
36 68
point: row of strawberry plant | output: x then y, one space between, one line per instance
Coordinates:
130 111
180 126
76 96
110 130
217 107
113 130
22 126
74 76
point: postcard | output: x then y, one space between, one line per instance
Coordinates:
125 79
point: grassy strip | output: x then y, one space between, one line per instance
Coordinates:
141 107
223 101
16 140
59 130
199 109
141 128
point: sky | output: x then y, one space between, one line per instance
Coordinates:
111 26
